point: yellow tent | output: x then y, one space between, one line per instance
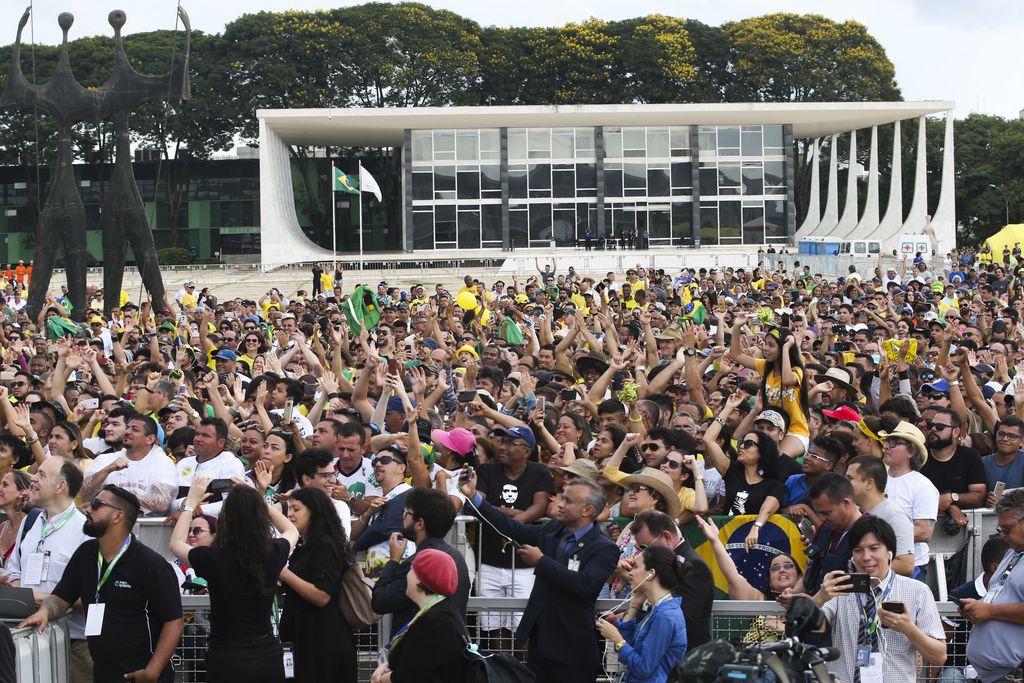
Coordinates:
1006 237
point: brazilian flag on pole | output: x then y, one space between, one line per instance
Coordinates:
362 309
344 182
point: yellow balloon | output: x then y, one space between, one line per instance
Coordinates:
466 301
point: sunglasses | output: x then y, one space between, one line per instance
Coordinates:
96 504
637 488
672 464
386 460
650 446
747 443
938 427
196 530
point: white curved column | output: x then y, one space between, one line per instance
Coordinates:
813 216
830 218
942 228
917 217
869 221
892 221
281 238
848 221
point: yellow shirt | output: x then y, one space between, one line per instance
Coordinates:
189 301
687 496
788 399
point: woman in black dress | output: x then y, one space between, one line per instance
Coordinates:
240 569
431 647
325 649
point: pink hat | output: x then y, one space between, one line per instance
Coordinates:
436 571
459 440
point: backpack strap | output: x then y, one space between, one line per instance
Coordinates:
30 518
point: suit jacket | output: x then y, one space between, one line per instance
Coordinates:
560 613
698 593
389 592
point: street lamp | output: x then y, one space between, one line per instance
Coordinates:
1005 201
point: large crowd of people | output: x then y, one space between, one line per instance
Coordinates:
297 441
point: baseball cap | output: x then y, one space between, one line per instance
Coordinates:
523 433
772 416
226 354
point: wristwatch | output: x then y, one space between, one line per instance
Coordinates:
690 352
618 645
955 497
187 508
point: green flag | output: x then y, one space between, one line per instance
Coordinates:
344 182
362 308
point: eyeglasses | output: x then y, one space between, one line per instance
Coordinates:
893 443
385 460
673 464
747 443
1007 436
327 475
508 443
96 504
650 446
938 426
784 566
196 530
818 457
637 488
1005 529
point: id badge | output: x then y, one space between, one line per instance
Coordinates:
94 619
35 568
574 565
872 673
289 660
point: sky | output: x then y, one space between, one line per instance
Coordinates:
965 51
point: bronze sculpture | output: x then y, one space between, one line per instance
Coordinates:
63 215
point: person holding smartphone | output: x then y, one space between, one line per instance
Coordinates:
880 624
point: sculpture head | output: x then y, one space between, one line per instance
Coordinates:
117 19
65 20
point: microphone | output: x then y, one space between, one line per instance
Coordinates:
827 654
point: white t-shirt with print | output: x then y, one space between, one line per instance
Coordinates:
362 483
915 494
225 466
152 478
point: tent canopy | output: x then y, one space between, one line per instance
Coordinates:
1006 237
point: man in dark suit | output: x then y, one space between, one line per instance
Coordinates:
572 560
698 589
427 517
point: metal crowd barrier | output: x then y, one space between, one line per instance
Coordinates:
42 657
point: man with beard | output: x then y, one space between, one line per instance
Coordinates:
956 470
42 550
131 598
111 437
427 517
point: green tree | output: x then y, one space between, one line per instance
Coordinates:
654 60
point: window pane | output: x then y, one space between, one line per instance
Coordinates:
469 185
562 143
490 143
444 141
635 176
634 138
708 223
728 179
423 187
613 183
774 174
707 138
682 175
469 229
444 223
518 222
753 179
586 176
657 142
564 184
490 177
517 145
422 146
708 181
491 223
680 139
467 145
729 227
540 222
613 143
584 142
540 176
540 143
444 178
564 226
423 229
728 136
775 218
682 223
773 138
517 183
752 144
753 225
657 182
659 224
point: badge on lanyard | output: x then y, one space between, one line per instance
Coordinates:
574 564
36 568
94 619
289 661
872 671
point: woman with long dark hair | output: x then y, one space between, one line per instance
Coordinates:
11 485
783 381
241 570
325 649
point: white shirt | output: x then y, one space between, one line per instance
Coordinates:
225 466
345 515
153 479
61 544
96 444
916 495
362 483
305 426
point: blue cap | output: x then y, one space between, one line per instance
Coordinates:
939 385
524 433
395 405
430 342
226 354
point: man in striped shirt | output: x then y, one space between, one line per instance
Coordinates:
880 633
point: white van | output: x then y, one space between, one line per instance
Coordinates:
860 248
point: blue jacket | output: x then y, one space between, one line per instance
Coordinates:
651 651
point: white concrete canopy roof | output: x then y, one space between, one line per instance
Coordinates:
384 127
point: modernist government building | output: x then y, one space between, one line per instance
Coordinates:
698 175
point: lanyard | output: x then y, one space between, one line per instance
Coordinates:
650 614
401 632
872 618
100 580
54 528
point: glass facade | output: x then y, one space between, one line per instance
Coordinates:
516 187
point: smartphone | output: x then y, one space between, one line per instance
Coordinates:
193 586
861 582
90 403
952 598
806 528
466 396
7 376
998 490
541 403
569 395
220 485
393 366
289 408
898 607
466 473
842 346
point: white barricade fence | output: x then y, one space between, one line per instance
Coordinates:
42 657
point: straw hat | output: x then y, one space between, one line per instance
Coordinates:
908 432
840 376
660 482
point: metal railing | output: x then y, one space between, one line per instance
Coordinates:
42 657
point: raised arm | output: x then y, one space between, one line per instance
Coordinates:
737 344
739 587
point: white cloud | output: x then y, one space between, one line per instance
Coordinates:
942 49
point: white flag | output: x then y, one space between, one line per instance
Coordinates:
368 184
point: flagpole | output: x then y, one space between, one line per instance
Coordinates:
334 226
360 175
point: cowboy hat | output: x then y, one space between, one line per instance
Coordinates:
658 481
908 432
582 468
840 376
594 360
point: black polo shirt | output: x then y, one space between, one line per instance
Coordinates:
140 595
